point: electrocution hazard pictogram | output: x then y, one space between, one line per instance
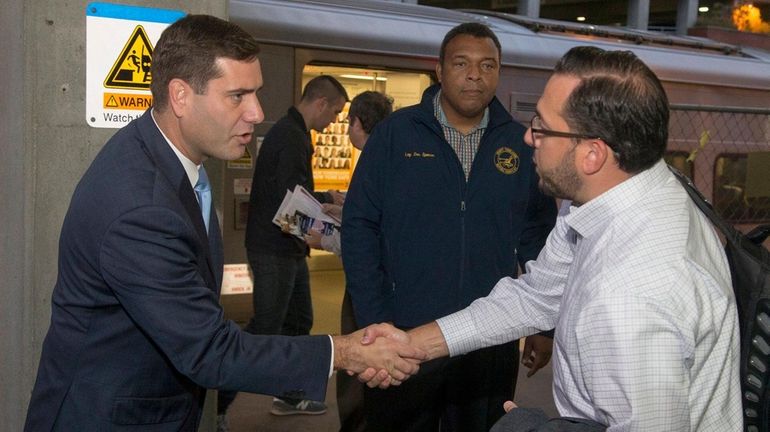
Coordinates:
133 67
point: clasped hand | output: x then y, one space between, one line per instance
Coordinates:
385 357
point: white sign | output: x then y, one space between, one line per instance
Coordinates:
119 44
242 186
237 279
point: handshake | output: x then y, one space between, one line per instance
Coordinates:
382 355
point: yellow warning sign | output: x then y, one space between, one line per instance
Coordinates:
127 101
132 69
243 162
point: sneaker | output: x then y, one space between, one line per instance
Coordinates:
222 425
307 407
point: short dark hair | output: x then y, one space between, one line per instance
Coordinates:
370 108
189 48
324 86
474 29
620 100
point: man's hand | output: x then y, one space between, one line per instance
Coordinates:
537 353
333 210
509 405
371 376
337 197
385 330
313 239
427 338
384 355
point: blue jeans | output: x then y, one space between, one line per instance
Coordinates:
281 296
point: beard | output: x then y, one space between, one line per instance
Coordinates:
563 180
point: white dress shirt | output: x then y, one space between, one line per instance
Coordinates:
638 287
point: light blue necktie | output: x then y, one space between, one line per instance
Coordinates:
203 190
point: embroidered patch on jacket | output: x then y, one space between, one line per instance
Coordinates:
506 160
417 154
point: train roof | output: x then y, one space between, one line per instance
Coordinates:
381 27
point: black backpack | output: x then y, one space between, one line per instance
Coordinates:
750 269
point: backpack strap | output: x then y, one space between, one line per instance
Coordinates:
697 197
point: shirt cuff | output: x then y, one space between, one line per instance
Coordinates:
460 332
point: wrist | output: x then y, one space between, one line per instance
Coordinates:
343 346
430 339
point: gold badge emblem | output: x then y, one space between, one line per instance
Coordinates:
506 160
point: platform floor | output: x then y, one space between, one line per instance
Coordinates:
250 412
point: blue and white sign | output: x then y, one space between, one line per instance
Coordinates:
119 44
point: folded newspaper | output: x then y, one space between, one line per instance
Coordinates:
300 212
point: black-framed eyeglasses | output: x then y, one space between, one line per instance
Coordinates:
536 127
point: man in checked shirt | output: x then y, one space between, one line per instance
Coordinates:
633 277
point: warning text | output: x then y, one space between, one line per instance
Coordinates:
127 101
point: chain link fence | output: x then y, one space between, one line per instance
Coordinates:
726 152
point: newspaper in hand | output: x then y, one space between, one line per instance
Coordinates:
300 212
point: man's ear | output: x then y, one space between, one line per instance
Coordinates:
438 71
179 94
321 103
595 155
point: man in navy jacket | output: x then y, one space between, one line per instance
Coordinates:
444 203
137 333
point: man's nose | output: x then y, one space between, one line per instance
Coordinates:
253 112
529 137
474 72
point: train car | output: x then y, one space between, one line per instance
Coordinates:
719 93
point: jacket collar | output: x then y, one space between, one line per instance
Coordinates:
297 118
159 151
497 113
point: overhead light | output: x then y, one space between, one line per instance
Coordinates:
703 9
363 77
581 18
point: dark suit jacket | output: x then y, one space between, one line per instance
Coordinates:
137 332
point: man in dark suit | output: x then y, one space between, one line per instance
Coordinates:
137 332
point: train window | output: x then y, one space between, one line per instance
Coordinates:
742 187
334 157
678 160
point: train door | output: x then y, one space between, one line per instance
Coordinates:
334 158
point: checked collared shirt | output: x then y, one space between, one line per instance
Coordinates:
638 287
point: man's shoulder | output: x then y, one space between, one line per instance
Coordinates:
500 117
124 150
283 131
407 117
130 165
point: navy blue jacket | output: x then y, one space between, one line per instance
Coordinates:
137 332
418 241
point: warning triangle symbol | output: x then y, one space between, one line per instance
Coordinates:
111 103
132 69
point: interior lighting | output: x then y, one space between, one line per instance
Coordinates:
363 77
703 9
581 18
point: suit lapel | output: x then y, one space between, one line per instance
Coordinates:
215 246
169 166
190 203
